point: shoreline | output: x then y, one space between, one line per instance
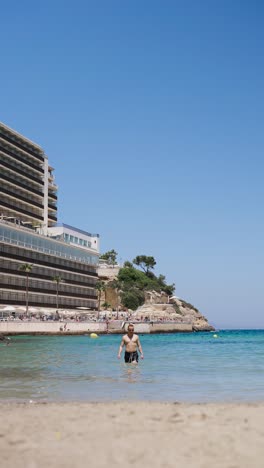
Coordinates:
125 433
31 402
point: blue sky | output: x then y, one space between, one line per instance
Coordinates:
151 113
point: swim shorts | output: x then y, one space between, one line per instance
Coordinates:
130 357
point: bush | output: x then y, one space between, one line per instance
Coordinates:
177 309
132 299
187 305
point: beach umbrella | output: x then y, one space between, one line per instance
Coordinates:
46 311
33 310
21 309
9 309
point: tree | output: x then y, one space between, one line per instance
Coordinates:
27 268
115 284
100 286
110 257
136 282
145 262
57 279
167 288
132 277
133 298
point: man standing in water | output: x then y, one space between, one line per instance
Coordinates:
131 343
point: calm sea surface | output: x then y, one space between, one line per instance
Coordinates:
193 367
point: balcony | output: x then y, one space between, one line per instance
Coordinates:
12 178
19 156
14 139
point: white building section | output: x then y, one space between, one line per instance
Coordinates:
75 236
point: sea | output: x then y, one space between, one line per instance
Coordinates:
222 366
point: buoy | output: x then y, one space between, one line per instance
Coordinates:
215 336
93 335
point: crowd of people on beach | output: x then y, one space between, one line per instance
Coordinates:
82 318
61 317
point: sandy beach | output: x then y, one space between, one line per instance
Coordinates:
131 434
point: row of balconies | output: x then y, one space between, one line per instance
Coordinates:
24 184
23 158
12 268
30 210
24 196
15 178
17 193
22 144
45 300
48 288
14 252
20 170
16 207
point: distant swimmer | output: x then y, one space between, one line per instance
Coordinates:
5 339
131 342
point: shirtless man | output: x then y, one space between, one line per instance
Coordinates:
131 343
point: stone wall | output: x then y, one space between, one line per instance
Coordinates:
20 328
77 328
170 327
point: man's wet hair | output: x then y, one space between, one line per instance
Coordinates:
130 325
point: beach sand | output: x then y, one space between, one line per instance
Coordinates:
128 434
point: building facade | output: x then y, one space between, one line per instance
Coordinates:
30 235
28 190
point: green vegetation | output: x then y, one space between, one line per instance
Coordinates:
132 283
146 263
100 286
57 279
177 309
26 268
109 257
187 305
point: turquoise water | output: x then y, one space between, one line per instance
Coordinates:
177 367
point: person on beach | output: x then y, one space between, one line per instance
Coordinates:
131 343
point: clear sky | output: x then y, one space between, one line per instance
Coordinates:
151 112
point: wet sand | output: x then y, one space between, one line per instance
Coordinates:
124 434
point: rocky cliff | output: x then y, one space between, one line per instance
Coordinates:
157 306
161 307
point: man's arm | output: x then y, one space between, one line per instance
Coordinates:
120 348
140 348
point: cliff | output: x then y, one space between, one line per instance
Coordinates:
157 306
160 307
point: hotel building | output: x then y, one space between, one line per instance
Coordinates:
29 233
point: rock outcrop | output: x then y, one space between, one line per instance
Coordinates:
158 306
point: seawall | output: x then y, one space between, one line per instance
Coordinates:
81 328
